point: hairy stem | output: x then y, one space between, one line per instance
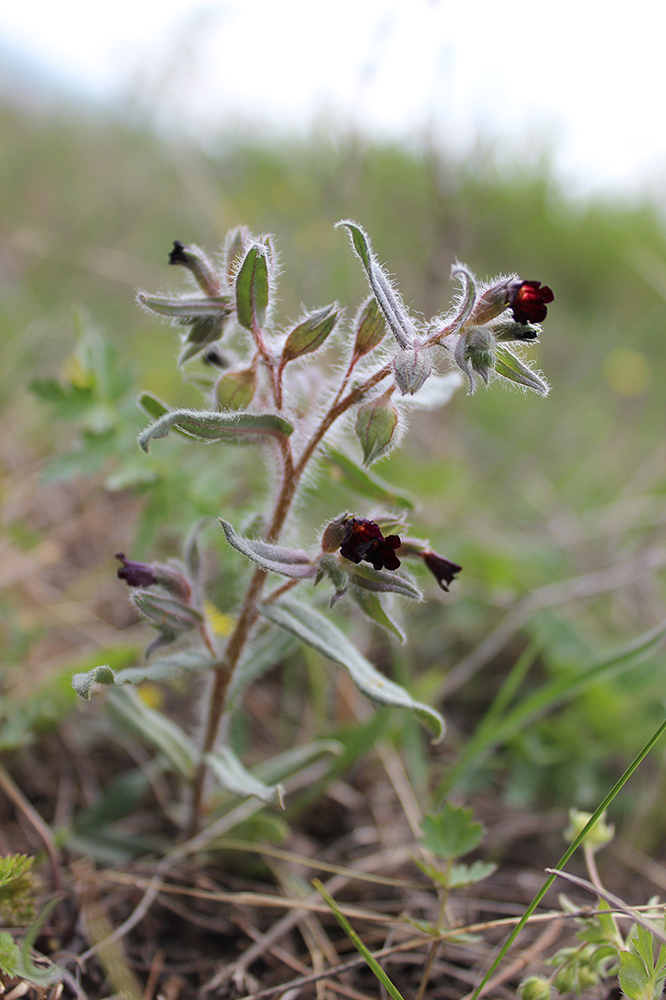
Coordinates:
291 476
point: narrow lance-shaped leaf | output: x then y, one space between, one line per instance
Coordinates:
395 313
509 366
211 427
233 777
187 310
165 668
294 563
317 631
366 483
161 732
252 291
380 581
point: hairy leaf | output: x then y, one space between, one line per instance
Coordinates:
231 774
293 563
317 631
211 427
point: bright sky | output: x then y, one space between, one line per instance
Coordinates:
581 78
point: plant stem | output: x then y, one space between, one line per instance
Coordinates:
291 476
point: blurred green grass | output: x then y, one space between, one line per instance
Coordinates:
523 492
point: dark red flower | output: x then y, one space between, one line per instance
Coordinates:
364 540
527 300
136 574
442 569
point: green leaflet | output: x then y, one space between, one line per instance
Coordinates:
366 483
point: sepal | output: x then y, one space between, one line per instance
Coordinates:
376 425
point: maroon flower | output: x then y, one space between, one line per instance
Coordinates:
527 300
136 574
364 540
442 569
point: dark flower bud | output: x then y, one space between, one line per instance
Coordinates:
198 264
363 540
136 574
442 569
527 300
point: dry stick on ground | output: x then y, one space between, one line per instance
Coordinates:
395 950
612 578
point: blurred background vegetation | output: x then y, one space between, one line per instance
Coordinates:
525 493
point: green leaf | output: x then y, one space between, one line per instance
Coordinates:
153 406
252 292
187 310
166 668
463 874
635 980
223 428
83 683
510 367
233 777
389 301
10 956
16 889
364 482
317 631
383 582
372 607
154 727
451 832
294 563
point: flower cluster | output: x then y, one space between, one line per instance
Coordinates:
507 310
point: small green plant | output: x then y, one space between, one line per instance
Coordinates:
270 390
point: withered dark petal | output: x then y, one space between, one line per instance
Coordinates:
442 569
177 255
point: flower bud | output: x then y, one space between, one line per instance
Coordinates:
334 533
310 333
534 988
411 368
137 574
234 390
491 304
199 266
375 428
370 328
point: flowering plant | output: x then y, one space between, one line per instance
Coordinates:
260 397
